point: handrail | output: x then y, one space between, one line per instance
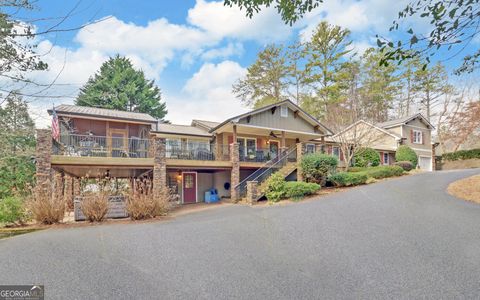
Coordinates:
266 167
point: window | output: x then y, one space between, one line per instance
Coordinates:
188 181
310 148
417 137
336 151
284 111
247 147
172 147
385 158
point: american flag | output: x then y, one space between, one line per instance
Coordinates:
55 125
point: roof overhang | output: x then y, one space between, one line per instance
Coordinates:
181 135
100 118
295 108
245 129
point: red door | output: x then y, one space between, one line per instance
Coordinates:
189 187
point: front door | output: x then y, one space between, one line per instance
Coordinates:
273 149
189 187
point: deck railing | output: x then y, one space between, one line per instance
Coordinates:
101 146
196 151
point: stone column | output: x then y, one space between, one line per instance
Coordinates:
58 192
218 147
235 176
43 161
299 160
252 192
434 161
159 167
76 187
68 191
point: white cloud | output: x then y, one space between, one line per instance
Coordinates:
223 21
232 49
207 94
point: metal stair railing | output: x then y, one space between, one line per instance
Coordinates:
265 170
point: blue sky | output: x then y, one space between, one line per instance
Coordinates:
193 49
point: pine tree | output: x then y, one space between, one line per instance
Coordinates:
119 86
265 82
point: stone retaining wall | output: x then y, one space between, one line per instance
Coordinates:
459 164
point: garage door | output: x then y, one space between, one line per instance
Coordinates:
425 163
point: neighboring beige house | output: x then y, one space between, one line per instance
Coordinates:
414 131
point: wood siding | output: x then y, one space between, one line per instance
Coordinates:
275 120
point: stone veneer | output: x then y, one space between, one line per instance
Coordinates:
159 167
235 175
68 191
43 161
252 192
300 151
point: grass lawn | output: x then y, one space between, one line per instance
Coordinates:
467 188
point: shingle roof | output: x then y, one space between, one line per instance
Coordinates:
102 112
182 130
204 123
402 120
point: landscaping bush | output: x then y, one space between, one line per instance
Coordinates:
383 171
95 205
317 166
462 154
12 211
406 165
275 188
405 153
356 169
348 178
366 157
298 189
141 204
46 208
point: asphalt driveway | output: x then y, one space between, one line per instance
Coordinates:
401 238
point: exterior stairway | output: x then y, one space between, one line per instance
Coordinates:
286 170
286 164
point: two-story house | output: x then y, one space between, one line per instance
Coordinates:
414 131
192 159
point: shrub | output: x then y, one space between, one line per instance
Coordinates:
366 157
406 165
46 208
298 189
348 178
275 188
95 205
12 211
317 166
141 204
462 154
383 171
356 169
405 153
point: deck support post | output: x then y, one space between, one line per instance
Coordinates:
235 175
68 191
159 167
252 192
299 161
43 162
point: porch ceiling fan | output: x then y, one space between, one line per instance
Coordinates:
272 134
